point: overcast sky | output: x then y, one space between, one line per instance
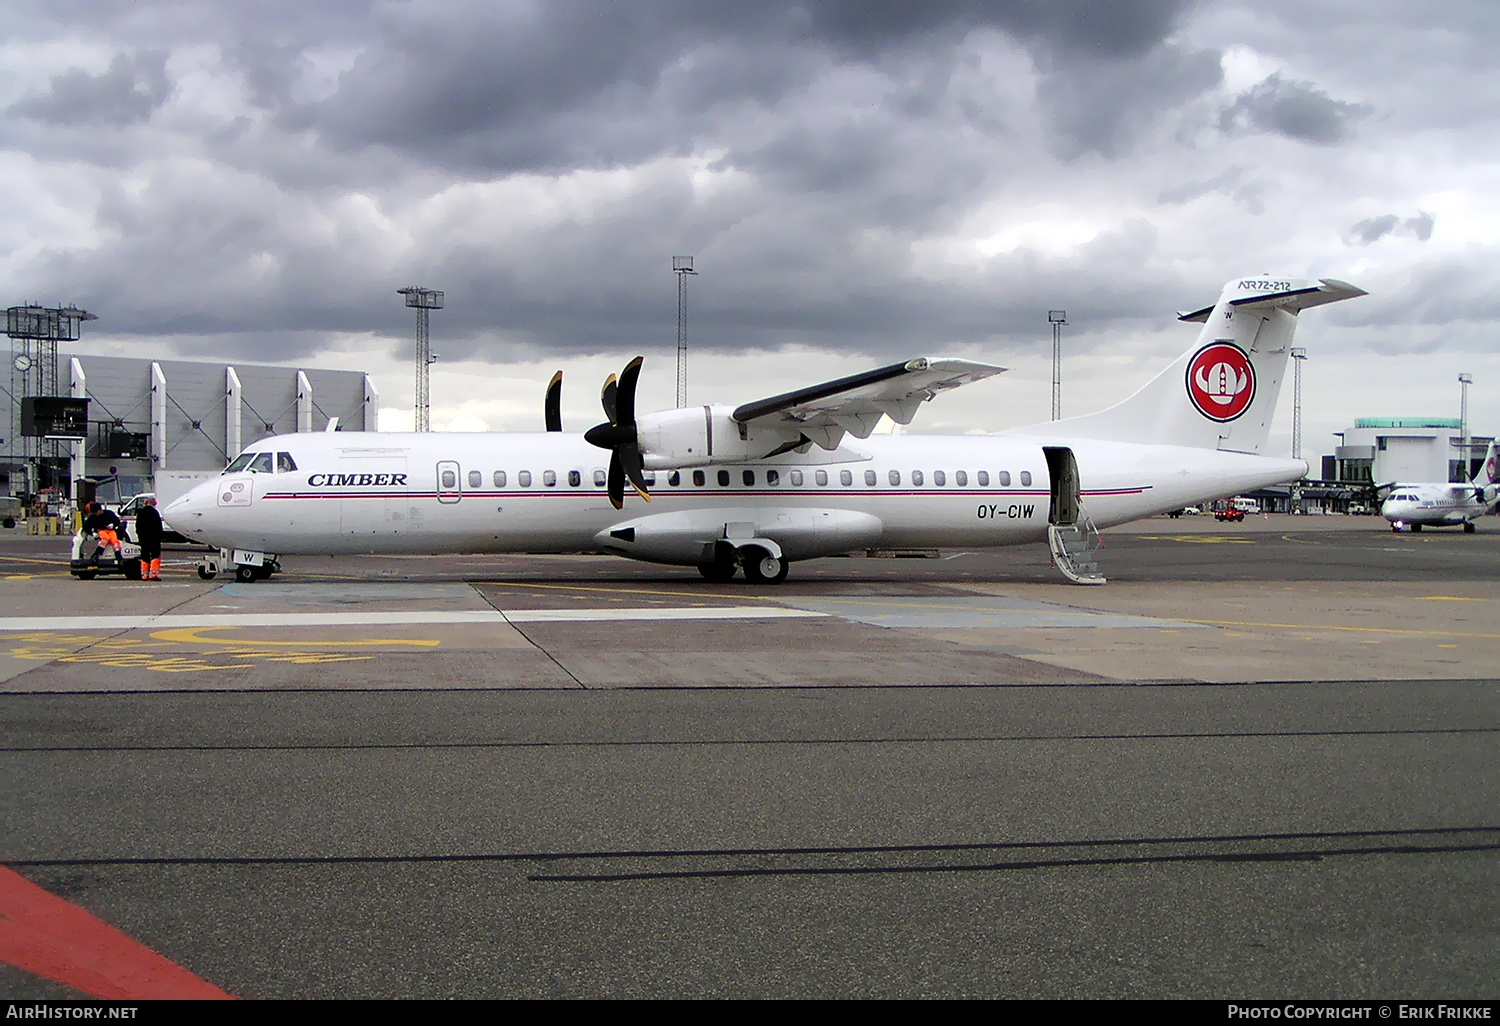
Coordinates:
859 183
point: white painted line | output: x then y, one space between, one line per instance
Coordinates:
680 613
126 623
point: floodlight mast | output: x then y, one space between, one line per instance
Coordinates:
1298 356
422 300
1464 447
682 266
1058 319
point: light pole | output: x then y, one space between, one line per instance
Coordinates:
1058 319
1299 355
1464 381
682 266
422 300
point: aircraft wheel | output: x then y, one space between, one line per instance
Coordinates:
244 574
132 570
763 568
716 572
1468 527
84 575
207 574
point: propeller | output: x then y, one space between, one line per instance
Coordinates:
553 404
618 434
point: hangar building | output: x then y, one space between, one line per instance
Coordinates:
148 419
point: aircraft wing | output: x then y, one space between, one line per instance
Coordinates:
1328 290
823 413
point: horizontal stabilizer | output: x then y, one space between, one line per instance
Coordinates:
1328 290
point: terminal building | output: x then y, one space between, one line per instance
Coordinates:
149 420
1376 451
1381 450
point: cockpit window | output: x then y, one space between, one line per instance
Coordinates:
261 464
240 462
284 463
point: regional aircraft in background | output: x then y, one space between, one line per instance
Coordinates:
790 477
1415 506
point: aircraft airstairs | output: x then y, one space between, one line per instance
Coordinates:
1071 534
1073 547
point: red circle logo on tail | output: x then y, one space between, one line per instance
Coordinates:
1221 381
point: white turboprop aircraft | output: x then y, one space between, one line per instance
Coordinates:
778 480
1416 506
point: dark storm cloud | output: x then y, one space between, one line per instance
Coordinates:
1297 110
500 89
1098 104
1372 229
127 93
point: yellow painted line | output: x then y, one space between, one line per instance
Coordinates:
193 635
1199 539
1449 598
1330 627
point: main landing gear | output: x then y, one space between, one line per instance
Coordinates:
761 567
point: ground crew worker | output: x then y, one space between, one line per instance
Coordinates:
106 525
148 533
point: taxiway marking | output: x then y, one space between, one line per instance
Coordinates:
55 939
375 619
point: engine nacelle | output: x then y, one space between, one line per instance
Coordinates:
701 436
690 537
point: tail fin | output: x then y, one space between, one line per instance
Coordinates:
1488 473
1221 393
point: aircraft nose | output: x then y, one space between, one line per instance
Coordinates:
189 514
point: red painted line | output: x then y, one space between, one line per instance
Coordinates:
49 937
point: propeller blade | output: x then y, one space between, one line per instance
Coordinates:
630 458
553 405
616 481
607 398
626 400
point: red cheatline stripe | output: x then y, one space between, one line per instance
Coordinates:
49 937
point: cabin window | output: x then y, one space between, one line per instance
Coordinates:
939 478
284 463
917 478
1026 478
549 478
961 478
476 479
870 477
698 478
674 478
649 476
450 480
723 478
984 478
523 478
821 476
748 477
797 478
499 479
1004 479
773 477
894 477
261 464
574 479
600 479
845 478
240 462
